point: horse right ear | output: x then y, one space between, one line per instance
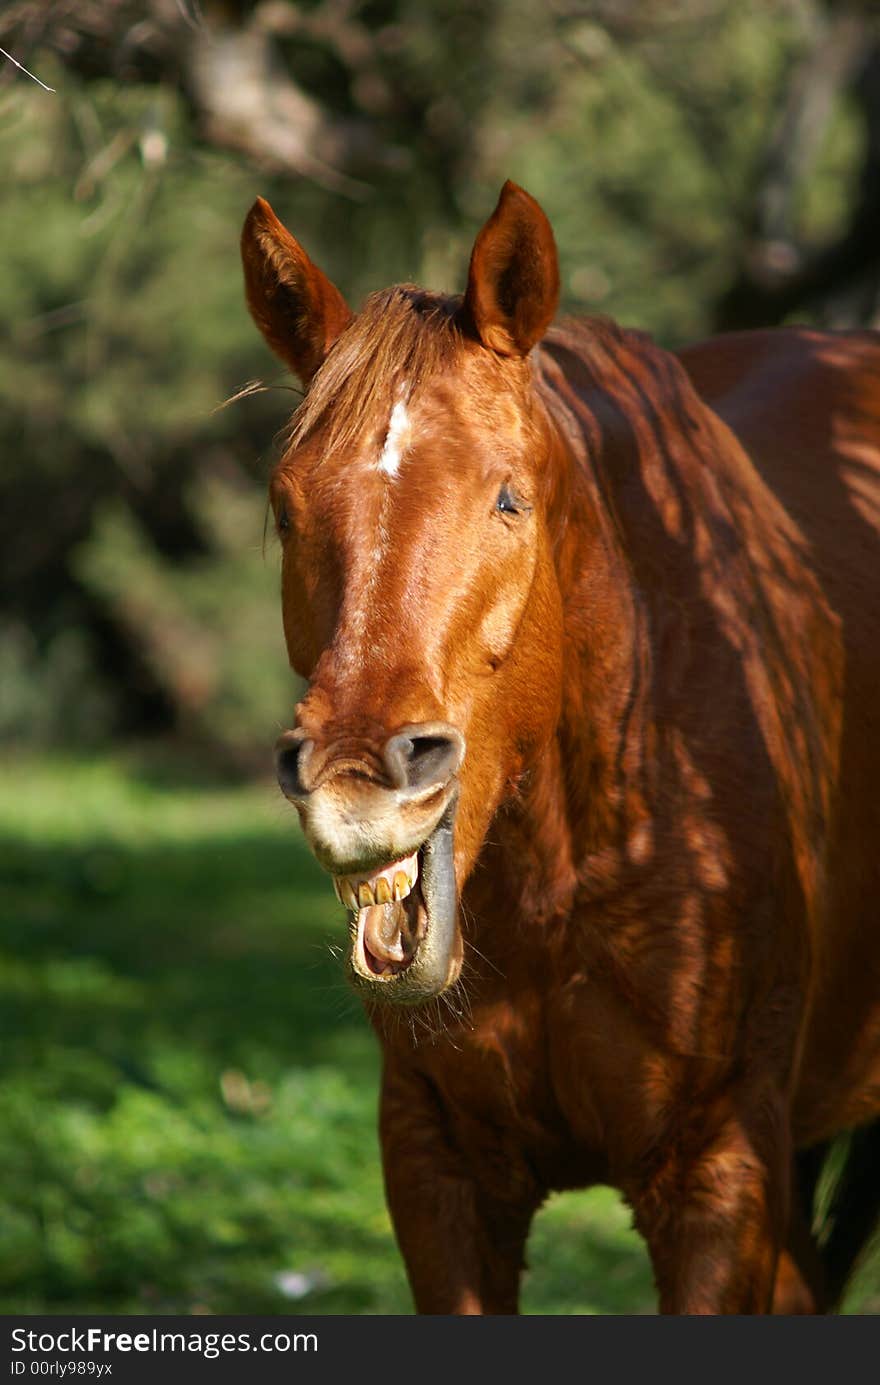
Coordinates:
296 307
513 281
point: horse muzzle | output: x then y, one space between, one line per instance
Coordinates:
382 824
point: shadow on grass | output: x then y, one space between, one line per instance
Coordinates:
224 945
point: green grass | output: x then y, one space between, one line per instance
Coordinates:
187 1112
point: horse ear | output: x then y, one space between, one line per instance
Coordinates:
513 281
295 306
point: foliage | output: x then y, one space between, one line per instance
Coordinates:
128 603
206 627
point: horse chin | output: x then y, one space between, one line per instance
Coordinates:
406 952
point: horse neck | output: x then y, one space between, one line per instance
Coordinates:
572 807
630 443
606 650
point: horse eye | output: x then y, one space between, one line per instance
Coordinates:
282 520
507 502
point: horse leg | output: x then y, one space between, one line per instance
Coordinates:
715 1216
463 1248
800 1278
461 1256
799 1287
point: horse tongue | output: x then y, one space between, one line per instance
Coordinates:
387 935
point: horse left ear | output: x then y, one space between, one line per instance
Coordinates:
513 281
296 307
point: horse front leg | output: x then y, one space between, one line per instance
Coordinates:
800 1275
463 1245
715 1217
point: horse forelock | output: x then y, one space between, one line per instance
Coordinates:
402 337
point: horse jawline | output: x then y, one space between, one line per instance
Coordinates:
437 961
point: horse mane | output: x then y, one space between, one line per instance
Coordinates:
402 336
593 331
405 335
596 347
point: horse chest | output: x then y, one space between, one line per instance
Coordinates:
561 1087
511 1099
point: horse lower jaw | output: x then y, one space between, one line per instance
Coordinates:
405 952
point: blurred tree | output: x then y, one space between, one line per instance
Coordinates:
782 269
666 142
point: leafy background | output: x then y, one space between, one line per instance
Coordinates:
188 1090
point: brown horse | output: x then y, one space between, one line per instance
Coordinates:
591 745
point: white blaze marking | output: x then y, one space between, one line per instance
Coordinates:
380 500
398 427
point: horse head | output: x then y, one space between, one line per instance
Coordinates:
414 506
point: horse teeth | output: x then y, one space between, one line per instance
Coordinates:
393 883
382 891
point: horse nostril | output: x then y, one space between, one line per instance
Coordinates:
424 756
292 753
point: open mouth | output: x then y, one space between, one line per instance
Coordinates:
389 914
403 921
